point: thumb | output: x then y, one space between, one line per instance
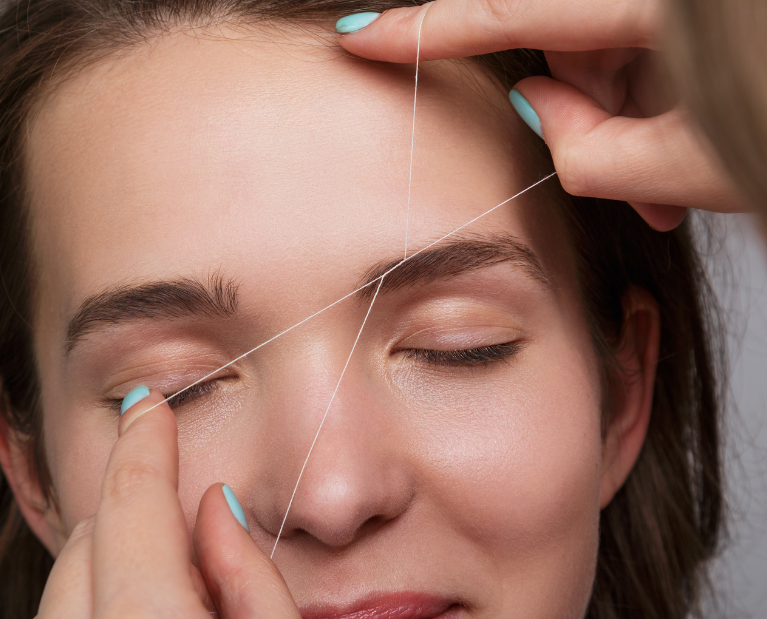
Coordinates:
647 161
242 580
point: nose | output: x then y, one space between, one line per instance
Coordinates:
356 479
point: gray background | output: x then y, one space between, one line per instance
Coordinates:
738 267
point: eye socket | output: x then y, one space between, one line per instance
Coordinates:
176 401
469 357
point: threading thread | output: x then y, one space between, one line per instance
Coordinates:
378 288
352 293
324 417
412 132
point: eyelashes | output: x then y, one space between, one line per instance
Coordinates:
192 393
481 356
175 401
470 357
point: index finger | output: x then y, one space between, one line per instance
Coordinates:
459 28
141 548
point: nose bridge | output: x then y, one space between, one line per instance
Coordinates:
355 479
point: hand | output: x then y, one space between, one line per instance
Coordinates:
134 557
613 129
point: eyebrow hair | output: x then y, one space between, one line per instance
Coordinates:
451 259
154 300
218 297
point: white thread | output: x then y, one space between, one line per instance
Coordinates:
412 133
324 417
353 292
378 288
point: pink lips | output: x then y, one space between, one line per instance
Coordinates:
403 605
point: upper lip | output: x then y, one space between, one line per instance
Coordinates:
402 605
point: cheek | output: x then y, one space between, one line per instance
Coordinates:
517 468
77 449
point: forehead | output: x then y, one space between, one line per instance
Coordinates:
200 150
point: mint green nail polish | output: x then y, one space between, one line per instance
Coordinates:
235 506
526 111
135 395
357 21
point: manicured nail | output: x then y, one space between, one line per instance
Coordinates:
135 395
235 506
526 111
354 22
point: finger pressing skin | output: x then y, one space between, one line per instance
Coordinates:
243 581
69 593
141 550
660 160
458 28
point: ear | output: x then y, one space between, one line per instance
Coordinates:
15 461
637 357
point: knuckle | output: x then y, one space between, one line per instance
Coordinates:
500 12
127 479
642 20
83 529
573 170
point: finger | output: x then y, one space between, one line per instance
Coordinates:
659 160
458 28
662 217
198 582
243 581
68 592
141 550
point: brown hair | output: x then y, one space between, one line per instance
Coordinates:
661 527
719 55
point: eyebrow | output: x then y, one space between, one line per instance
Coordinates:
167 300
451 259
187 297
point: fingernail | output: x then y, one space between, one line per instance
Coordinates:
235 506
526 112
354 22
135 395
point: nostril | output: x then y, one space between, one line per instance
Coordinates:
342 508
340 538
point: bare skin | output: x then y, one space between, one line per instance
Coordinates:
281 165
612 123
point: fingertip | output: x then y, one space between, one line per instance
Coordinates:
356 21
526 112
660 217
239 574
391 36
219 509
134 396
235 507
139 401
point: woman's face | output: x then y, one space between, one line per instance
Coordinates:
195 197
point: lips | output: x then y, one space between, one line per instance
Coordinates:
405 605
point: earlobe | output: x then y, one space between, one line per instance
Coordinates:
634 388
15 464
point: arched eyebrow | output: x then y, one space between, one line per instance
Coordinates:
168 300
155 300
450 259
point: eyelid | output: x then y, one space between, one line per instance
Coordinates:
459 338
467 358
181 395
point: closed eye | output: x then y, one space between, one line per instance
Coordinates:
175 401
469 357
